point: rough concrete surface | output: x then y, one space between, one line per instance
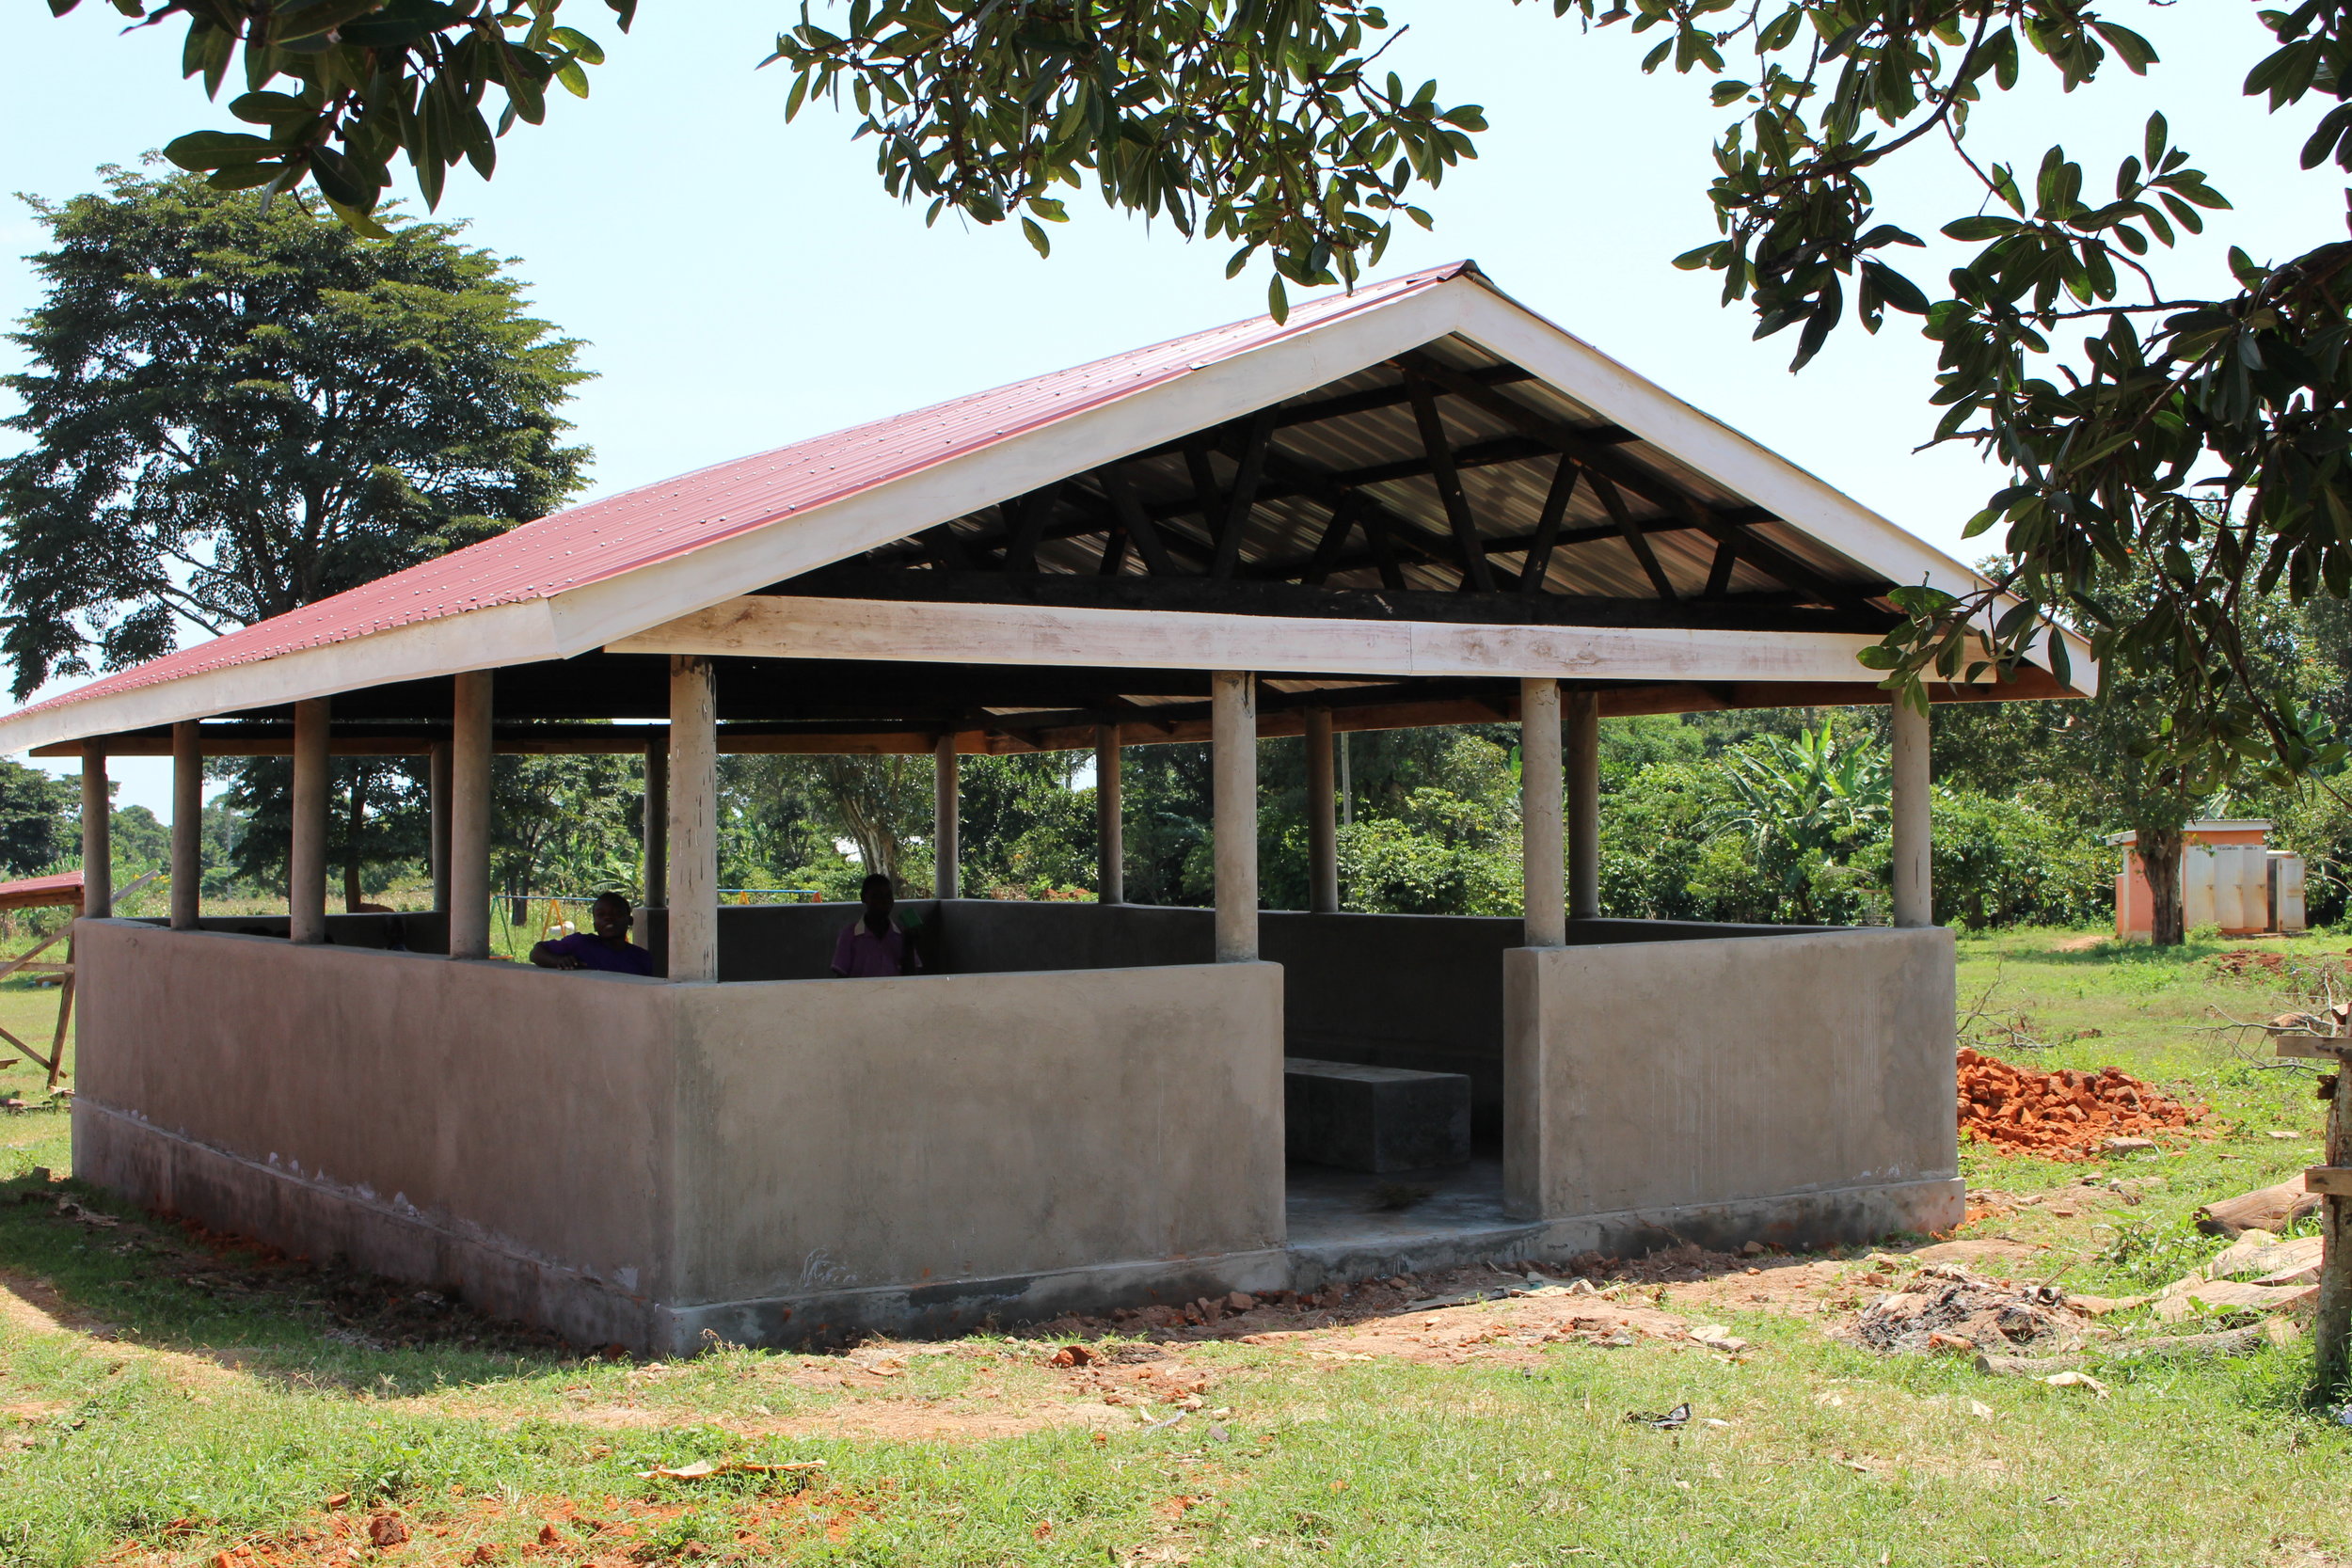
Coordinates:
1693 1075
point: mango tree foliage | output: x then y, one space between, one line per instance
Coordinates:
234 412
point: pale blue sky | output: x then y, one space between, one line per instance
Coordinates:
741 283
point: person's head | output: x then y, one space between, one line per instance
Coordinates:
609 914
875 894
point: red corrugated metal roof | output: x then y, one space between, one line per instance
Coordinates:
637 528
42 892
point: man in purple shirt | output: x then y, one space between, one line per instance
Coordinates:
873 948
607 948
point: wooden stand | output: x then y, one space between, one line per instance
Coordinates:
52 892
2332 1325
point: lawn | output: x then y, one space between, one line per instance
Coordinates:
170 1398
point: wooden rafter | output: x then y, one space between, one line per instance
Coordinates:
1240 500
1476 575
1024 526
1719 575
1631 533
1539 548
1133 520
1760 552
1344 514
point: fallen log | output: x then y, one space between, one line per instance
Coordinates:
2272 1209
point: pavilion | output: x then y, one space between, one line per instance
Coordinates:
1414 504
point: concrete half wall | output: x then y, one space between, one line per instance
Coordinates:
632 1161
1799 1089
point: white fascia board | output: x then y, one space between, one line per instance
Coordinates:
933 633
519 633
1509 330
600 613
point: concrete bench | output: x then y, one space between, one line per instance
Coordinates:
1374 1119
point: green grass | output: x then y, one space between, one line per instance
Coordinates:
197 1401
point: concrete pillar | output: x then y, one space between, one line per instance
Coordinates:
1542 872
1915 897
656 824
187 825
1323 839
98 854
437 791
1233 790
469 753
946 819
694 818
306 858
1110 827
1583 712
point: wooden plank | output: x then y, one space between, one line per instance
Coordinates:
889 631
2316 1048
2331 1181
26 961
1719 575
1334 538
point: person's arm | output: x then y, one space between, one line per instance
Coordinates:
841 951
554 954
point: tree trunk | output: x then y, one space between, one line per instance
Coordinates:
2160 863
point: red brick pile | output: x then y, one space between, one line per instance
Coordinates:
2064 1115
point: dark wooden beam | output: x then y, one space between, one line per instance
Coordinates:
1439 448
1071 589
1334 538
1760 552
1719 575
1241 499
1371 398
1538 563
1024 527
1134 519
1631 533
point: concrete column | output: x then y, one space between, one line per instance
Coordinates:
694 818
1583 712
437 791
1233 790
1110 827
469 753
98 854
946 819
1543 874
305 859
656 824
1323 838
187 825
1915 897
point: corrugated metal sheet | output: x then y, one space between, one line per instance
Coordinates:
638 527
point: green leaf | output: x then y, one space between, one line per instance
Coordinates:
1278 299
1985 225
1037 237
210 149
270 108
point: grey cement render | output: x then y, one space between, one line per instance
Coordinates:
1041 1129
1692 1078
630 1161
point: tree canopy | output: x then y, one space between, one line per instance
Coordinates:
237 409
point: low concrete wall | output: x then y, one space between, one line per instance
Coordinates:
414 931
499 1131
968 1135
1423 992
783 941
1799 1088
625 1160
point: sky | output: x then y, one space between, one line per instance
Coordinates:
740 284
